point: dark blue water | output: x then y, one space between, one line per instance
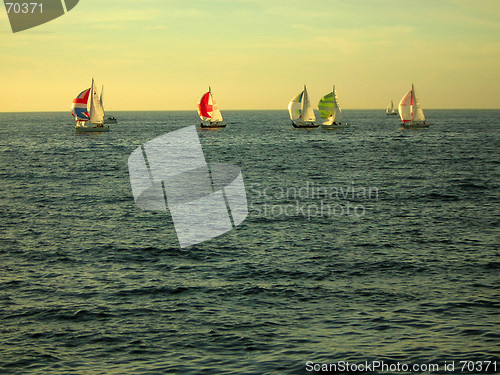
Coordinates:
368 243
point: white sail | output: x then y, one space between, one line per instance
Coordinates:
92 109
295 107
409 108
418 113
390 108
96 111
100 99
405 111
337 115
99 108
307 110
216 115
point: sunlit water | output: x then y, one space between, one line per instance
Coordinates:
367 243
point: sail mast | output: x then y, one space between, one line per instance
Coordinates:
303 104
411 101
91 101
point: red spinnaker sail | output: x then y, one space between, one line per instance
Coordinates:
205 107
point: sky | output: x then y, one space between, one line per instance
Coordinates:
255 54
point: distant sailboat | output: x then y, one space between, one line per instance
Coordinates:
390 111
412 115
107 120
209 112
329 109
301 112
88 112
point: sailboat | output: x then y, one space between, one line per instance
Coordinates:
107 120
88 112
301 112
390 111
209 112
329 109
412 115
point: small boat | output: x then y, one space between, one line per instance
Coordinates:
301 112
209 112
110 119
329 109
412 115
390 111
88 112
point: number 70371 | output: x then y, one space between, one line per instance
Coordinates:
24 7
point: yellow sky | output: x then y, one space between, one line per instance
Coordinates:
255 54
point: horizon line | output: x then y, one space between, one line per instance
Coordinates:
232 110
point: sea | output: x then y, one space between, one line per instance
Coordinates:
368 249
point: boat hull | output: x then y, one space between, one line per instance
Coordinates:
212 126
305 125
392 114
